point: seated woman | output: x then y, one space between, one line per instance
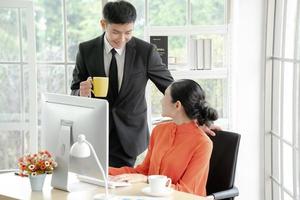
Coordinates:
178 149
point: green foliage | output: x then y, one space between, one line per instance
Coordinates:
83 19
10 96
167 12
177 48
215 94
140 21
10 148
9 44
207 12
49 30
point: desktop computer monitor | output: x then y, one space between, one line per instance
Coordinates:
64 117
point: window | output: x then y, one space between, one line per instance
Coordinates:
18 82
282 108
182 21
188 20
60 25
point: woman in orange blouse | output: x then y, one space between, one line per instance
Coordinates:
178 149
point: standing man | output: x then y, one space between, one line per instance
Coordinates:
128 62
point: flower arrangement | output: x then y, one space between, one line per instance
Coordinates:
34 164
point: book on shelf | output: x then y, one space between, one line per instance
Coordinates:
161 44
194 54
207 53
201 53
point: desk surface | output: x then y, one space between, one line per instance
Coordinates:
18 187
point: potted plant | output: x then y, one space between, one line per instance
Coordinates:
36 166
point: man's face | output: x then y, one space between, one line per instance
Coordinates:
117 34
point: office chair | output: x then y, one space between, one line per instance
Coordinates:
220 182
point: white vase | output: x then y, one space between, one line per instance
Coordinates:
37 182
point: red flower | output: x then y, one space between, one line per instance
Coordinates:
43 167
34 164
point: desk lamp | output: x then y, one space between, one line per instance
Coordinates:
82 149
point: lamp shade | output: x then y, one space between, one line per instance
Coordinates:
80 149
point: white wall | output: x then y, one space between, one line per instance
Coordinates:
248 26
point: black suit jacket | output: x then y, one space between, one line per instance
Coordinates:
142 62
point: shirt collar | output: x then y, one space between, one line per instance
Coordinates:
185 127
108 47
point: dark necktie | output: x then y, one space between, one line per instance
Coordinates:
113 78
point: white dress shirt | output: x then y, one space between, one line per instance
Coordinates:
120 58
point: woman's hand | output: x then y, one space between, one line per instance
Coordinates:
131 178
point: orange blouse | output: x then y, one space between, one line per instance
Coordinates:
181 152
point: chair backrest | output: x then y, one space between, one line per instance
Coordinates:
223 161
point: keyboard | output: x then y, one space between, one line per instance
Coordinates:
99 182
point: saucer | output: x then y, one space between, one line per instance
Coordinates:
167 192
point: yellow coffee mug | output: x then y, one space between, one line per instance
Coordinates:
100 86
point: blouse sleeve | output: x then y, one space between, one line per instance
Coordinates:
195 176
143 168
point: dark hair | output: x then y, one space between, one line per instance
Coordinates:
119 12
192 97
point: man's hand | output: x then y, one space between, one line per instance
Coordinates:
86 87
210 130
131 178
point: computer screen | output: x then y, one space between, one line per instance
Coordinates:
64 117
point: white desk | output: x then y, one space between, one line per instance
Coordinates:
15 187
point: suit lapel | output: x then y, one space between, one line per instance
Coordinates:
98 56
128 66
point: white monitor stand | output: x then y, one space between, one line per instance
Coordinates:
60 174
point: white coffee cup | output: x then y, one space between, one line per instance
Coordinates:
159 183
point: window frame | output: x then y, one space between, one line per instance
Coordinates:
274 188
188 31
24 126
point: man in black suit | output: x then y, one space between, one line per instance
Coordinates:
129 63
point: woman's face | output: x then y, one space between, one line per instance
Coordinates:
168 107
